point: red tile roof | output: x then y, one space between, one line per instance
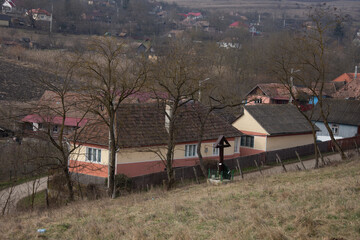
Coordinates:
195 14
350 90
39 11
279 91
346 77
238 24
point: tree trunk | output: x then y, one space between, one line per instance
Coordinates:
203 170
315 147
337 146
69 184
169 167
170 152
112 156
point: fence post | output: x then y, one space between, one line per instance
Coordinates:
240 171
282 164
196 177
257 165
298 156
356 146
47 198
321 156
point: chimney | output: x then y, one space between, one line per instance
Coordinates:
168 116
355 75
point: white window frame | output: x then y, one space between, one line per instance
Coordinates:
93 154
190 150
237 145
335 129
215 150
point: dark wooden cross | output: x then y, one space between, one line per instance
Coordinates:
221 143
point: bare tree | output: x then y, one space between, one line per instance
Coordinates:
303 58
280 69
6 199
175 80
54 110
112 75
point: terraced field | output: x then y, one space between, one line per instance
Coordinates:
17 81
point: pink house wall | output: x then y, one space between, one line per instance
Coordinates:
143 168
249 151
250 99
88 168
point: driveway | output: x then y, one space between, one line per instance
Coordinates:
10 197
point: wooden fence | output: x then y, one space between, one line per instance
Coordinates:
182 173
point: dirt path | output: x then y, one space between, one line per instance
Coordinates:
309 164
11 196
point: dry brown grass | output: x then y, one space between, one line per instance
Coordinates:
319 204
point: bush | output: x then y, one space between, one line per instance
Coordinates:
93 192
211 163
122 182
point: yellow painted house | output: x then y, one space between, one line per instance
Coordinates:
269 127
143 139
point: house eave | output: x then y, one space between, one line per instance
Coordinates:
290 133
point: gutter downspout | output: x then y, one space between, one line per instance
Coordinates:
266 143
108 183
355 75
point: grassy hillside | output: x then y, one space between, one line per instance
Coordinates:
319 204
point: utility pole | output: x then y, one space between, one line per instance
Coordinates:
51 17
292 82
201 81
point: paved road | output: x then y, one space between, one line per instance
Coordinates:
11 196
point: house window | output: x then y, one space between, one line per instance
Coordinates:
335 129
55 128
259 100
190 150
236 145
215 150
247 141
93 154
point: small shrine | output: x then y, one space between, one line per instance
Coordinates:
222 172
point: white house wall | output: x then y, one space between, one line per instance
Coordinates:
344 131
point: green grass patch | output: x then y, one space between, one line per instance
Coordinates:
39 201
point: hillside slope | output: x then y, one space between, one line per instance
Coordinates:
17 80
318 204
